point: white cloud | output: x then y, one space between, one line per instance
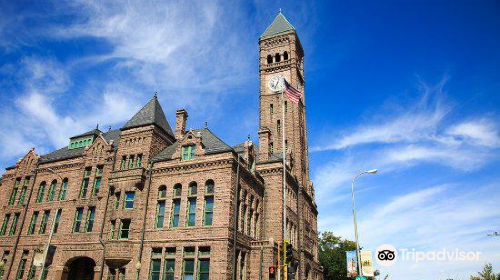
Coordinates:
482 132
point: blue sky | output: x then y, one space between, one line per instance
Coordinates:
409 87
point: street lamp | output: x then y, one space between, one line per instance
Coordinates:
372 171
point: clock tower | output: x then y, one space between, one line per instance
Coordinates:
281 54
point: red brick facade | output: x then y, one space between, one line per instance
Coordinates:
146 202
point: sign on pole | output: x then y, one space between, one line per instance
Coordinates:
367 263
352 263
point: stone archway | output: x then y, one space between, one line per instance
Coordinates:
79 268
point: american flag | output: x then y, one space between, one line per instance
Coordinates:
291 93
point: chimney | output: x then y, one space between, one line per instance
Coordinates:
180 123
264 136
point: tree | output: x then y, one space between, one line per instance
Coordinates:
486 274
332 255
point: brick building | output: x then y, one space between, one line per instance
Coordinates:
149 202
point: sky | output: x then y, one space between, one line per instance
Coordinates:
411 88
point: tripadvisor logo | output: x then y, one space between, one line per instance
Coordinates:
386 255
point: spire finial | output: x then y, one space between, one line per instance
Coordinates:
97 126
109 129
156 94
280 10
248 137
206 124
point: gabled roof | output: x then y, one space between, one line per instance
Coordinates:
211 143
65 153
151 113
279 25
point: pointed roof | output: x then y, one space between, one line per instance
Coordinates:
151 113
279 25
95 131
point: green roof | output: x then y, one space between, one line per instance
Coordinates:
279 25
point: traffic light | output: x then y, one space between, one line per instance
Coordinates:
287 252
272 272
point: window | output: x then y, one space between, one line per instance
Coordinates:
177 190
31 229
160 214
131 162
286 107
154 269
41 191
271 148
271 109
286 145
58 220
64 189
97 181
285 55
13 226
188 152
89 223
45 219
121 274
278 126
139 160
191 215
4 259
188 269
111 274
123 162
22 265
31 274
162 192
209 187
78 219
269 59
169 264
52 190
85 182
203 263
209 211
277 57
112 230
14 192
242 266
124 229
193 189
117 200
176 207
129 200
4 224
22 195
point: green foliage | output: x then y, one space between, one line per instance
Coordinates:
332 255
486 274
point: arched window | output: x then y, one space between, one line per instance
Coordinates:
285 55
176 206
208 210
193 188
209 187
52 190
64 188
191 207
277 57
269 59
162 192
177 190
160 207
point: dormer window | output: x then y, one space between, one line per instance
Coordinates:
188 152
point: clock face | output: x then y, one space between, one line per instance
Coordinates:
276 83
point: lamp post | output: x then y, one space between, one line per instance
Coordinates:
372 171
52 228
